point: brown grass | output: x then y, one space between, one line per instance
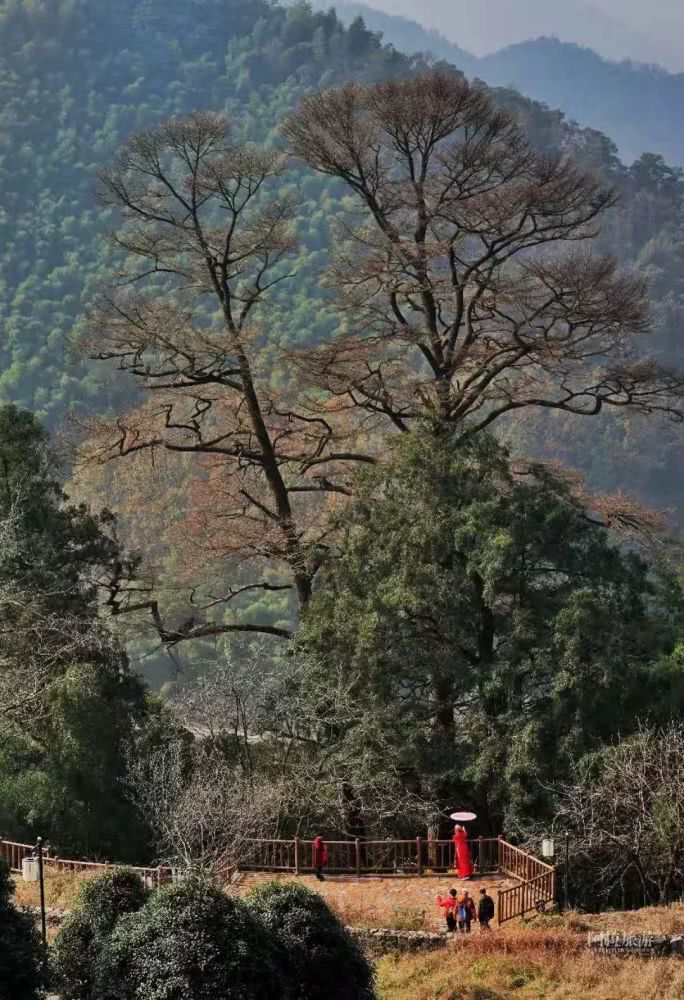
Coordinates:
400 903
531 973
649 920
61 889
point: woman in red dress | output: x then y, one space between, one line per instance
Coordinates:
462 853
320 857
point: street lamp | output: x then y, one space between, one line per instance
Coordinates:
33 871
41 880
548 847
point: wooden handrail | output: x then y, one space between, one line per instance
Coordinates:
14 853
537 879
416 856
520 864
527 896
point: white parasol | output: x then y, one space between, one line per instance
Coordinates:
463 817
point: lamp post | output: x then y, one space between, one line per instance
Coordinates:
548 848
41 880
567 869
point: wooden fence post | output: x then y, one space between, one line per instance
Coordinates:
480 855
419 849
357 845
296 855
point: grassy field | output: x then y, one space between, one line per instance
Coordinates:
544 958
531 973
61 890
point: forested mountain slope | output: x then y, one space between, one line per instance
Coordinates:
640 106
77 77
75 80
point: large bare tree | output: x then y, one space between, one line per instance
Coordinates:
203 243
468 292
469 286
625 810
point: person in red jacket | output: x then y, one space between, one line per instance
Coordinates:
462 853
320 857
449 905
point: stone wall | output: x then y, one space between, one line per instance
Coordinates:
377 942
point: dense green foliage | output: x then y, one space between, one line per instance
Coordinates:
81 963
76 80
71 705
490 624
21 961
320 958
108 897
193 942
63 777
62 547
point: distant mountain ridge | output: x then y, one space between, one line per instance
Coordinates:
616 29
640 106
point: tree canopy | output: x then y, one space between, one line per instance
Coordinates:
490 620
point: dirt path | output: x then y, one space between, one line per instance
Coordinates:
399 902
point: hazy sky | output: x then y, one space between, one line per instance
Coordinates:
644 30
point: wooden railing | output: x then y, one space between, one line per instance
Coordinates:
14 854
519 864
153 877
535 894
422 856
365 857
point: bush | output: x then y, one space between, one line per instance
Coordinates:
76 959
192 942
106 898
321 959
21 968
81 953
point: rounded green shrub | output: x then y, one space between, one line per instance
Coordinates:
192 942
81 962
76 959
321 959
21 966
106 898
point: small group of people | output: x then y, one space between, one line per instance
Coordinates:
461 912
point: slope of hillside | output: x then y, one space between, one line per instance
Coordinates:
75 80
641 107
